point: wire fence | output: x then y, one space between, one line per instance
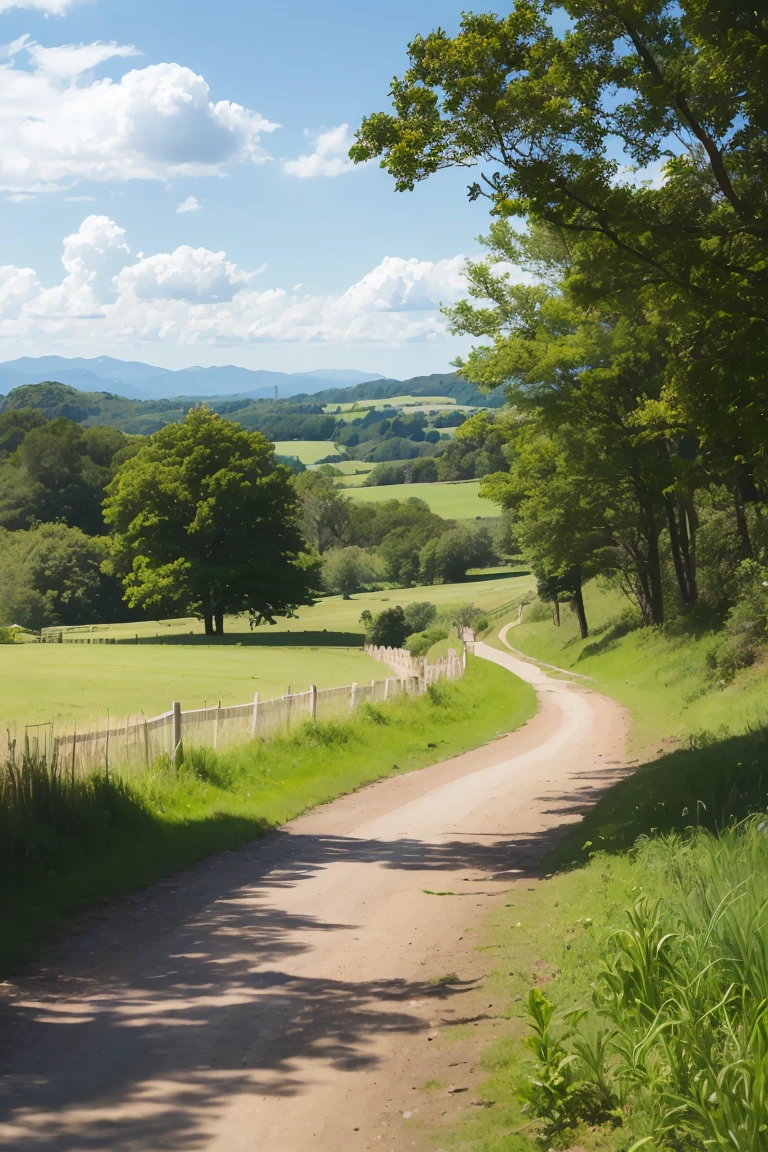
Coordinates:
127 744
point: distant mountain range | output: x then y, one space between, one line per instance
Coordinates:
137 381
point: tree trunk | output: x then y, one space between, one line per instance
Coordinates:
689 526
218 618
208 619
655 589
578 600
745 549
676 529
556 610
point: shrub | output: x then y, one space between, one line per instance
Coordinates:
537 612
419 615
420 642
388 629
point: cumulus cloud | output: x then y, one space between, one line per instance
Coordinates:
108 295
329 157
59 124
191 204
49 7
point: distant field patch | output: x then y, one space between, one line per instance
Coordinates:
40 682
360 406
489 590
459 501
308 451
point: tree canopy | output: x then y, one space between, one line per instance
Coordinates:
204 521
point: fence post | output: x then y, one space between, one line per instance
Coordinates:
217 727
176 734
289 698
352 697
313 703
386 688
255 717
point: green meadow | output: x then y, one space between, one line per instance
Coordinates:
40 682
331 619
308 451
458 500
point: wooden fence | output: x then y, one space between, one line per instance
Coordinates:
134 743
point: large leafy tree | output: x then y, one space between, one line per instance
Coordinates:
204 521
548 113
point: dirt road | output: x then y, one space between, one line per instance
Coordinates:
279 997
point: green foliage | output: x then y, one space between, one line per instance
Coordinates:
674 1044
419 615
419 643
388 628
447 559
347 570
324 510
52 575
54 470
423 470
8 635
476 451
204 521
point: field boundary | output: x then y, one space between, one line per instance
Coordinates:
134 743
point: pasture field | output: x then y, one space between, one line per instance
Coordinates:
350 469
40 682
357 408
454 501
308 451
490 590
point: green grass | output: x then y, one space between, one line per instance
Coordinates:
455 501
660 677
359 407
489 590
664 952
308 451
40 682
104 842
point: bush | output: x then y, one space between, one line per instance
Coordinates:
420 642
746 627
537 612
388 629
419 615
8 635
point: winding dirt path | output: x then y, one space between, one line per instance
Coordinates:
279 997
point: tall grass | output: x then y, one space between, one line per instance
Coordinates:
672 1046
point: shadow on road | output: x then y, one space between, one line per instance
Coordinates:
140 1031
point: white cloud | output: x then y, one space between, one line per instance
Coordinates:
188 274
49 7
58 124
191 204
111 297
329 157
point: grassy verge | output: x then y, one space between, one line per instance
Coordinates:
660 676
61 852
637 1011
636 977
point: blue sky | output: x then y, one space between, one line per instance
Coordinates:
279 262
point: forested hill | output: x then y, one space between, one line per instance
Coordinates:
307 419
437 384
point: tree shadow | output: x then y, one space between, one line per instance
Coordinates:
169 1006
